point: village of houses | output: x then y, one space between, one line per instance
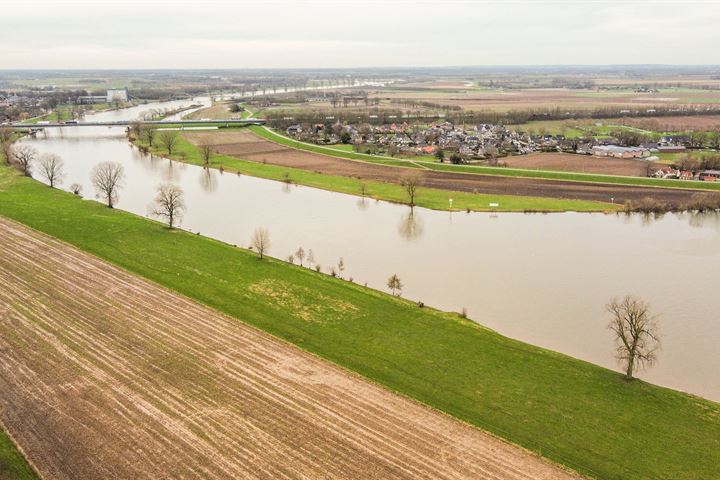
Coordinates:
486 144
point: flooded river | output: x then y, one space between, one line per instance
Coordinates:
543 279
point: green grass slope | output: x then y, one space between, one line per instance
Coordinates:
12 464
575 413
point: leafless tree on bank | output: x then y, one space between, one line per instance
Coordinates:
135 129
310 257
169 204
108 178
168 140
636 333
23 157
76 188
300 255
149 135
394 284
51 168
206 154
6 149
6 135
261 241
411 183
6 139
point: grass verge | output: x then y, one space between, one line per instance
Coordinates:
573 412
427 197
13 465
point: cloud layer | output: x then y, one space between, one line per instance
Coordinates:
318 33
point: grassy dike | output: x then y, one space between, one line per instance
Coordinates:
497 171
570 411
435 199
13 465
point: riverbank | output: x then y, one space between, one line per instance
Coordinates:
64 112
271 135
570 411
432 198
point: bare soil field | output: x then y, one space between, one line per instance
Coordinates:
519 99
674 123
104 375
246 145
220 111
567 162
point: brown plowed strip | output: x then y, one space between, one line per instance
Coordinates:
568 162
105 375
246 145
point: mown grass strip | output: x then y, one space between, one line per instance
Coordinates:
13 465
435 199
570 411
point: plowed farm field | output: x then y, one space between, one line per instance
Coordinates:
104 375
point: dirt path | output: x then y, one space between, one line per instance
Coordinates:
246 145
104 375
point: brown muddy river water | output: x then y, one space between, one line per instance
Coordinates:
543 279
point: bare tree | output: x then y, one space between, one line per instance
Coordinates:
394 284
206 154
51 168
149 134
169 203
6 134
300 255
168 140
411 183
636 333
341 267
6 149
310 257
23 156
76 188
261 241
108 178
6 138
135 128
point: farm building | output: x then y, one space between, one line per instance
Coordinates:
671 148
709 175
118 94
620 152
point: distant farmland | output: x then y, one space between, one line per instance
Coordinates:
104 375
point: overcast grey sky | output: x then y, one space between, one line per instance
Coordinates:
339 33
